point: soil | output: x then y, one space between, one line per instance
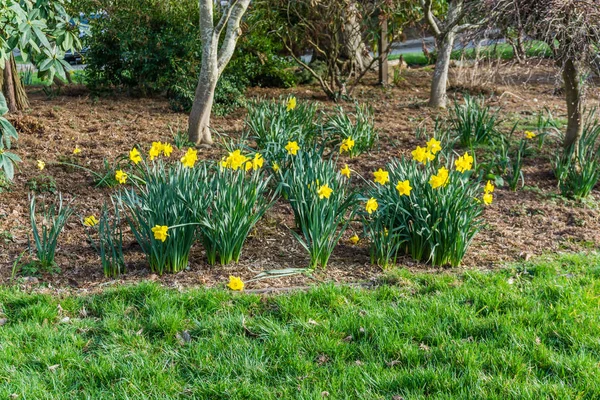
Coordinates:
531 221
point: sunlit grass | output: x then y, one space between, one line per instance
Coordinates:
529 331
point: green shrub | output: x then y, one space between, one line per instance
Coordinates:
473 122
109 240
42 184
321 199
578 167
45 236
8 133
359 127
227 203
429 211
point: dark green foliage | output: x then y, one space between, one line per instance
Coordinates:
42 184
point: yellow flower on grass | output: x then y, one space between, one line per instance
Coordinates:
345 171
155 150
160 232
236 160
488 198
167 149
291 103
347 145
464 163
489 187
190 158
258 161
292 148
235 283
135 156
41 165
403 188
354 239
530 135
439 180
90 221
77 150
434 146
121 176
382 177
371 205
324 192
421 155
275 167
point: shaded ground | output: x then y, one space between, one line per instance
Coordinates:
528 222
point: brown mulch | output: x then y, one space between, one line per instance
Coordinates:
518 225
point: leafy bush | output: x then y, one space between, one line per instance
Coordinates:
473 122
109 242
322 202
156 211
424 208
45 237
360 132
227 203
578 167
7 134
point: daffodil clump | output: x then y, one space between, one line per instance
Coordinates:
354 131
162 223
473 122
272 124
106 236
228 202
424 207
322 201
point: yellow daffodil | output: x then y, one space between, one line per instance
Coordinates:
324 192
291 103
135 156
488 198
41 165
257 161
347 145
292 148
464 163
530 135
403 188
190 158
420 154
489 187
439 180
235 283
121 176
235 160
77 150
167 149
160 232
155 150
434 146
386 232
275 167
382 177
345 171
90 221
354 239
371 205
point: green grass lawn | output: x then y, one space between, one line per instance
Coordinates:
527 332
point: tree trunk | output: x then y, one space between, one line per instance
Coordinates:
199 121
444 46
12 87
574 95
354 48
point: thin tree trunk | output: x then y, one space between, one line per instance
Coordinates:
199 121
354 48
12 87
573 91
444 46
